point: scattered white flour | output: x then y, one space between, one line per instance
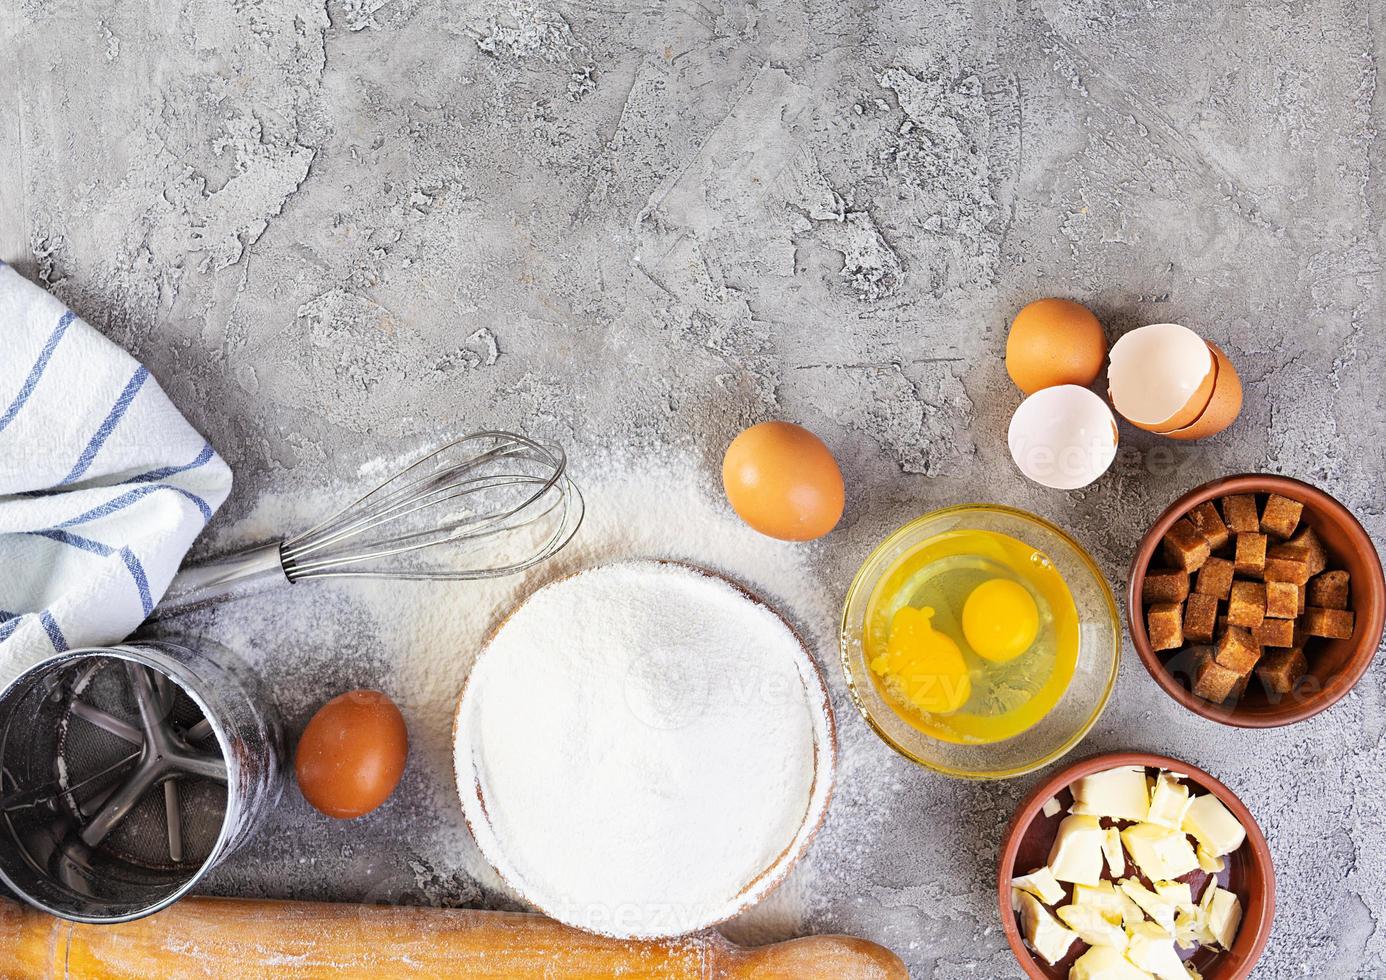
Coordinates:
417 640
637 749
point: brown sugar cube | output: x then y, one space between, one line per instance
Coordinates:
1280 670
1309 542
1200 618
1165 585
1280 516
1327 591
1239 688
1215 578
1214 682
1282 600
1335 624
1164 622
1239 511
1206 518
1251 553
1185 546
1274 633
1286 563
1247 605
1303 601
1237 650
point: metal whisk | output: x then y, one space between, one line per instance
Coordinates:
489 504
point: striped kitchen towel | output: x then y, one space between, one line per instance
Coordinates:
103 484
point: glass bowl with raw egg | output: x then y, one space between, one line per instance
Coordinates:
980 641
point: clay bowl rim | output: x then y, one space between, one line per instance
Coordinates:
826 751
1315 499
1030 808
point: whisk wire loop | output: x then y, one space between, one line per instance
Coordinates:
491 503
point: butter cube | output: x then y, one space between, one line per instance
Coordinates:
1111 850
1152 949
1119 793
1191 930
1076 856
1208 862
1051 807
1043 933
1102 897
1213 825
1159 908
1206 902
1169 802
1177 892
1224 916
1131 913
1159 852
1091 926
1042 884
1106 963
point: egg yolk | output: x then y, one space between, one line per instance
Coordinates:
1000 619
925 666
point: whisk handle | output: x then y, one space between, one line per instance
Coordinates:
250 571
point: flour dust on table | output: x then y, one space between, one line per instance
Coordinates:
416 641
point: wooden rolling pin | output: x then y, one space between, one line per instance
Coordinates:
222 937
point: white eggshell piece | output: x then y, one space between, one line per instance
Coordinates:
1063 437
1155 370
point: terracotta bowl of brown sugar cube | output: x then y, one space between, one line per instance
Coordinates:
1256 600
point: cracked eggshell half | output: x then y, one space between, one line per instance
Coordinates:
1063 437
1161 377
1223 408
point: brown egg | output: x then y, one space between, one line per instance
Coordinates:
352 754
782 481
1054 342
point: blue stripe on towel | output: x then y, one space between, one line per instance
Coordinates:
132 388
130 497
197 501
141 582
8 627
36 372
132 562
154 476
85 544
55 635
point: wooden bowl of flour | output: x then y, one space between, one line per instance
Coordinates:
644 749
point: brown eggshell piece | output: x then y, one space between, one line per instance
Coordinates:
1193 408
352 754
1223 408
1196 405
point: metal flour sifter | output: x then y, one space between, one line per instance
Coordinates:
127 773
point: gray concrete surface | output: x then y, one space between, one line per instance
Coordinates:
327 229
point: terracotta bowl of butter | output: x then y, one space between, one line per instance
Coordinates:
1249 871
1336 665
